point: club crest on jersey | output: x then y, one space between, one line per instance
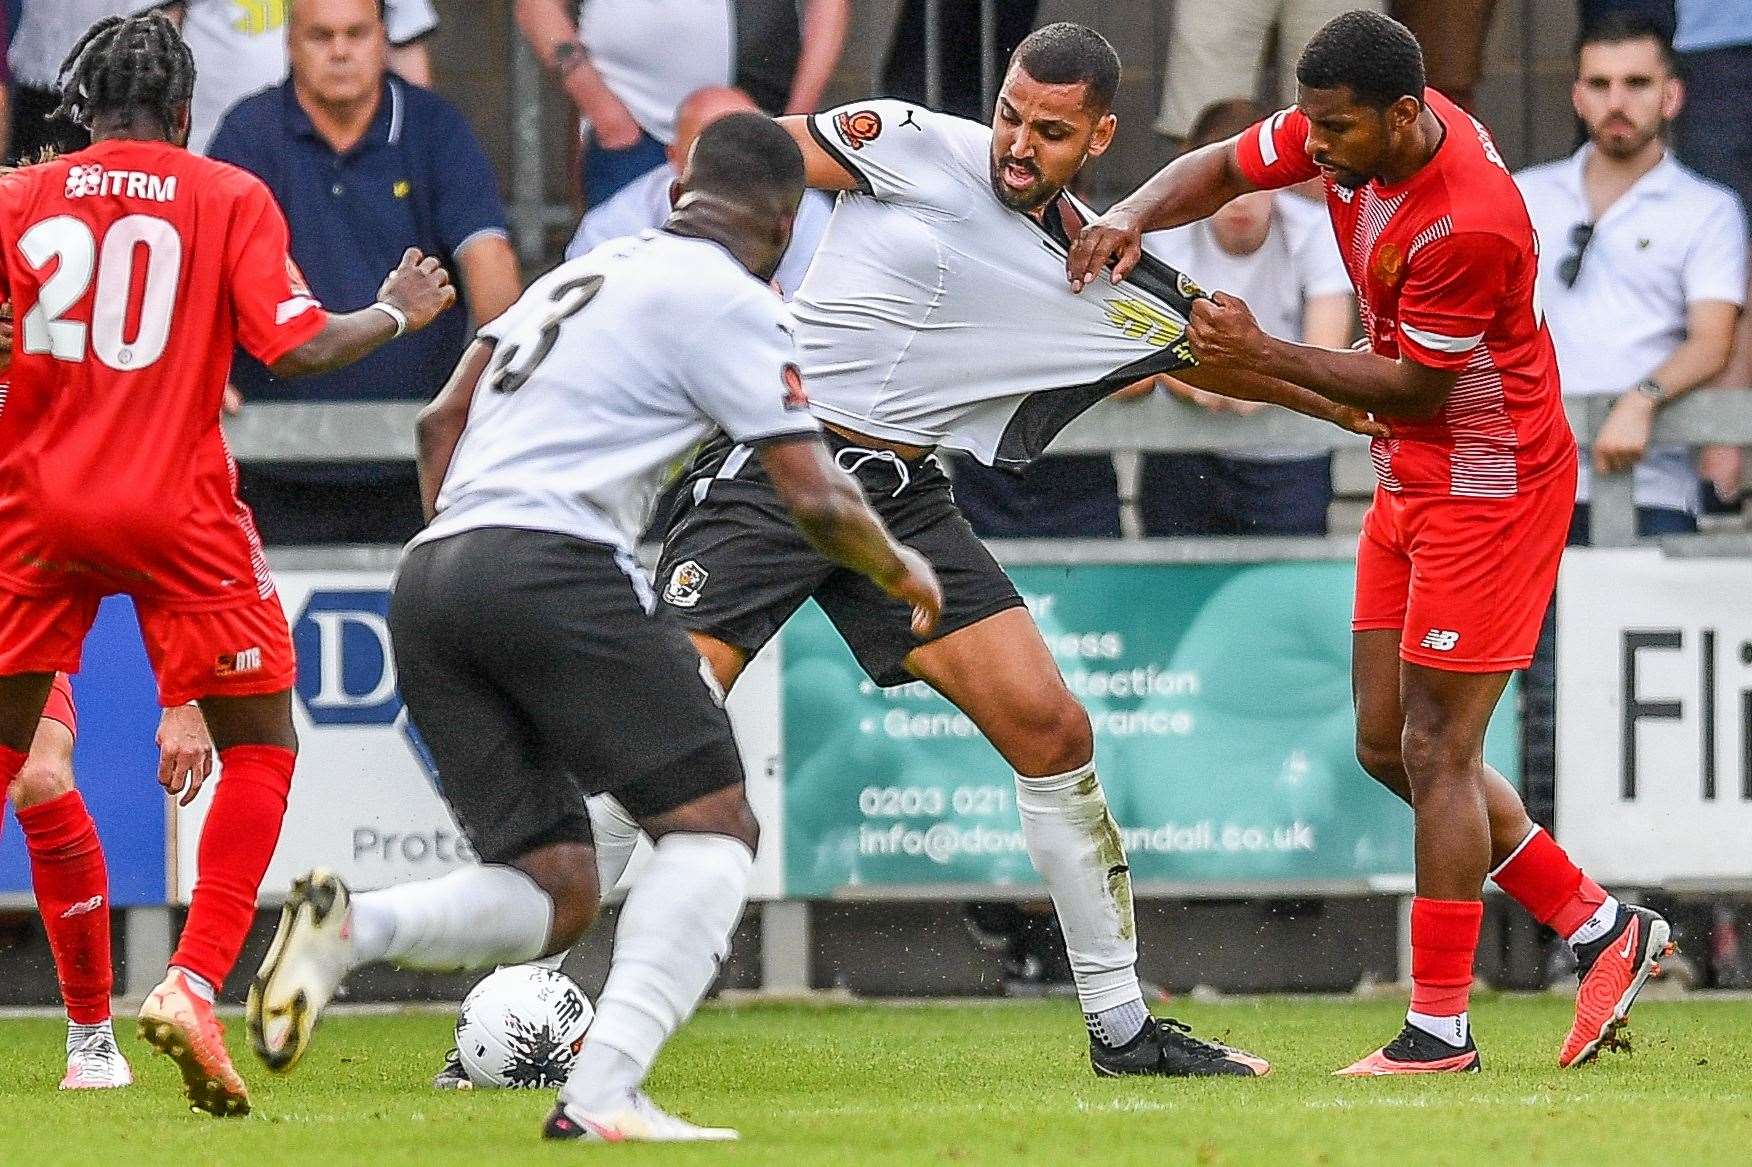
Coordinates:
1184 284
685 582
795 397
857 126
1141 320
1389 264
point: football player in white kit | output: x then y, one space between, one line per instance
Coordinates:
936 314
531 652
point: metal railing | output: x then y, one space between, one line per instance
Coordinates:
366 431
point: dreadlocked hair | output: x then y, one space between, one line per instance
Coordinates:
126 67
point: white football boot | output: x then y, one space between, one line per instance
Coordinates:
311 955
635 1120
97 1064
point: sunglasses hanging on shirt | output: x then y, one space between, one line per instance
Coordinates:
1570 269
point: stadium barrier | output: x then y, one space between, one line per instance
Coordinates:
1198 658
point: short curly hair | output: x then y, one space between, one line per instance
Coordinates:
1374 55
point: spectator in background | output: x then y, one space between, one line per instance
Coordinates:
45 32
645 203
365 166
1276 252
627 64
240 47
1216 51
903 69
1642 268
8 20
1714 41
1452 33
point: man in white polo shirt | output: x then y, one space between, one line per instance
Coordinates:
1642 265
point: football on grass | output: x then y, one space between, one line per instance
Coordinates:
521 1027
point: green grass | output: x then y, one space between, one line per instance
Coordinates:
963 1084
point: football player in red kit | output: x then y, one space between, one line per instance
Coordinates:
71 881
1459 553
134 268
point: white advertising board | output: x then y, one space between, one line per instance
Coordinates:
1654 718
363 799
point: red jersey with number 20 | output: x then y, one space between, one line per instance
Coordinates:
1445 267
134 268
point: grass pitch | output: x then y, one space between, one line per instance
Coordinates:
962 1084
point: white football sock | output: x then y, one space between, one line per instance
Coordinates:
1449 1029
198 984
475 917
1597 925
616 835
673 932
1075 845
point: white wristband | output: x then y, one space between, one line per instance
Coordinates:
394 313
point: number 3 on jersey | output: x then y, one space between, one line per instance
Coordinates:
79 263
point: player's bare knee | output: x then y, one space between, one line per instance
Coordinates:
1434 756
724 812
566 871
1382 761
41 780
1052 738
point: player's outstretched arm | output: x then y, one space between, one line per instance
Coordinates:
441 422
1228 341
821 170
833 515
411 297
1192 187
1243 385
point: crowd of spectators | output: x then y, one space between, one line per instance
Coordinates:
331 103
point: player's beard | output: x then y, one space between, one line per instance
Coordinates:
1024 201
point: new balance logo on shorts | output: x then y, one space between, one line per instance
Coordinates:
231 663
1441 640
685 582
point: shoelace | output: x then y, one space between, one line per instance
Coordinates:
1181 1034
862 455
96 1049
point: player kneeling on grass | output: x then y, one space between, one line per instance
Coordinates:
531 652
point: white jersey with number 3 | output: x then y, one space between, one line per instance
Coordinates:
935 315
607 373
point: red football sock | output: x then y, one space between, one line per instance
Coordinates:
242 829
72 892
1540 877
1444 938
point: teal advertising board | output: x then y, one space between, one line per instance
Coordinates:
1220 697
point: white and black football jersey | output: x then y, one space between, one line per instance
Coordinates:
608 372
933 315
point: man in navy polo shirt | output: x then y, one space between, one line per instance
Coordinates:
365 166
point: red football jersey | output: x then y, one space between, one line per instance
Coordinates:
134 269
1445 266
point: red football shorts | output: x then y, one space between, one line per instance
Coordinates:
1467 581
60 704
240 651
